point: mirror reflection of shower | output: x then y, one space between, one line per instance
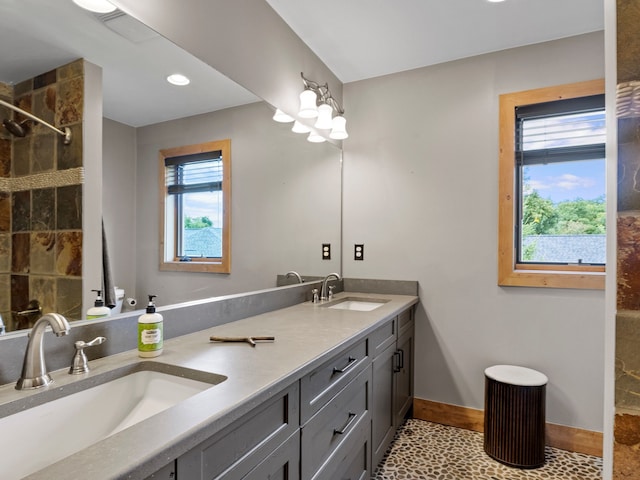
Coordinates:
22 129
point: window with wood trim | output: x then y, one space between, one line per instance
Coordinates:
195 214
551 216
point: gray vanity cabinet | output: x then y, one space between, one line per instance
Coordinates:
335 417
335 423
392 392
403 400
383 341
257 446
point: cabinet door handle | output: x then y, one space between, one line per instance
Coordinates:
352 418
350 364
401 366
396 361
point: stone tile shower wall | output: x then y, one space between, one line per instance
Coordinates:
626 462
41 197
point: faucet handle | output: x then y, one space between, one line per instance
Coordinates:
79 364
330 294
96 341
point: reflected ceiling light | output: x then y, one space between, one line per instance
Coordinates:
300 128
315 138
98 6
178 79
282 117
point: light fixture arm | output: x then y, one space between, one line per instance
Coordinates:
323 93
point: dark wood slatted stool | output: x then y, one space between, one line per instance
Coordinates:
514 415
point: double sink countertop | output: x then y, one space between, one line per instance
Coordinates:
305 336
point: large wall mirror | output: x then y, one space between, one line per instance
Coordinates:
286 192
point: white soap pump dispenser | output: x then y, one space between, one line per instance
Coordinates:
150 331
99 310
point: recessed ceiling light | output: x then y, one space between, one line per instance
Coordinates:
98 6
495 1
178 79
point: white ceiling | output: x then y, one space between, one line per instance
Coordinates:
357 39
39 35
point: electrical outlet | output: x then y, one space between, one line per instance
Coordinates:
358 251
326 251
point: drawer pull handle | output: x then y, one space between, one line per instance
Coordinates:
350 364
352 418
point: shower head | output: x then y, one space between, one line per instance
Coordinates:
20 129
15 128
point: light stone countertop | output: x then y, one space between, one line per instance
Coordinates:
305 336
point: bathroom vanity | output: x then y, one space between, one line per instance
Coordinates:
321 401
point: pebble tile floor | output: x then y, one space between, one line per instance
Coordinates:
424 451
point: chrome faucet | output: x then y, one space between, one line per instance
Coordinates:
324 293
34 370
294 274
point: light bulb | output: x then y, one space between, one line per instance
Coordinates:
308 107
282 117
324 117
339 129
300 128
315 138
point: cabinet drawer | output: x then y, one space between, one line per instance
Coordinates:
335 424
283 464
325 382
236 450
405 321
351 460
382 337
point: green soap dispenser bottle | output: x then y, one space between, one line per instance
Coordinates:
99 310
150 334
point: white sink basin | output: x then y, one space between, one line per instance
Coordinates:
42 435
362 305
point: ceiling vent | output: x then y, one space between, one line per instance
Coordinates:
127 26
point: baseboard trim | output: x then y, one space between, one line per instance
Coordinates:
558 436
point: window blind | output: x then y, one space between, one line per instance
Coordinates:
561 131
202 172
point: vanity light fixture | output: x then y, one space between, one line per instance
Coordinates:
178 79
98 6
316 101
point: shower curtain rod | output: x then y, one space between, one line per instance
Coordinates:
66 133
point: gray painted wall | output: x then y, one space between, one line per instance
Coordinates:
423 152
119 202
